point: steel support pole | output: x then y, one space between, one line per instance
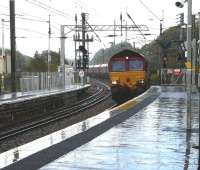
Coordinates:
126 31
160 55
62 52
84 55
114 33
75 45
3 50
12 45
49 55
194 57
189 63
199 81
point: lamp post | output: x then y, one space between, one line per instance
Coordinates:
189 64
180 4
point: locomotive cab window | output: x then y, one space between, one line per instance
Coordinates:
118 66
136 65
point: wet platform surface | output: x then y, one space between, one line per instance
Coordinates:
14 158
30 148
154 138
21 96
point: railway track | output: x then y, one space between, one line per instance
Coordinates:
101 94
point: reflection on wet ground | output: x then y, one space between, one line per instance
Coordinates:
28 149
154 138
40 144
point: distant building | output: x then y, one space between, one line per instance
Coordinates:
5 64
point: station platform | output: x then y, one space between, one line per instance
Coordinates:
19 107
23 96
148 132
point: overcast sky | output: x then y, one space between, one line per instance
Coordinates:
33 35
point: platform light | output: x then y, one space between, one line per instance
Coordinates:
180 3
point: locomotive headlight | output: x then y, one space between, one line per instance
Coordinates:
141 81
114 82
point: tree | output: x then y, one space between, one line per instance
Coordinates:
167 47
39 62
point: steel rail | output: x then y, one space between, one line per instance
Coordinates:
60 114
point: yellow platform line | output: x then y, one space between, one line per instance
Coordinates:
127 105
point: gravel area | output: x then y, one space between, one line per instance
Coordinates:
39 132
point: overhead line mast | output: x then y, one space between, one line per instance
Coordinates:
82 39
49 52
13 45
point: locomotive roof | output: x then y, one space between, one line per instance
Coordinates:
126 52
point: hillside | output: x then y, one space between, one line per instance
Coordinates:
165 46
103 55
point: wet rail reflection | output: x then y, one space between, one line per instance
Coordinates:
23 151
154 138
26 150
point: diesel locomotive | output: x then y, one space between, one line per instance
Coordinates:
128 73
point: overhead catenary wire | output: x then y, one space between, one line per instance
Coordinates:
18 16
29 19
58 29
51 8
27 29
95 33
136 25
4 7
33 31
38 37
48 8
8 15
148 9
155 16
23 14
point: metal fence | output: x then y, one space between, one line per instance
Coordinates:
40 81
34 81
171 76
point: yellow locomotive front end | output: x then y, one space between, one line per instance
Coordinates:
131 79
128 75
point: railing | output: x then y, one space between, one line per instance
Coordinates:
41 81
34 81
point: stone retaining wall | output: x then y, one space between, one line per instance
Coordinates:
17 112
